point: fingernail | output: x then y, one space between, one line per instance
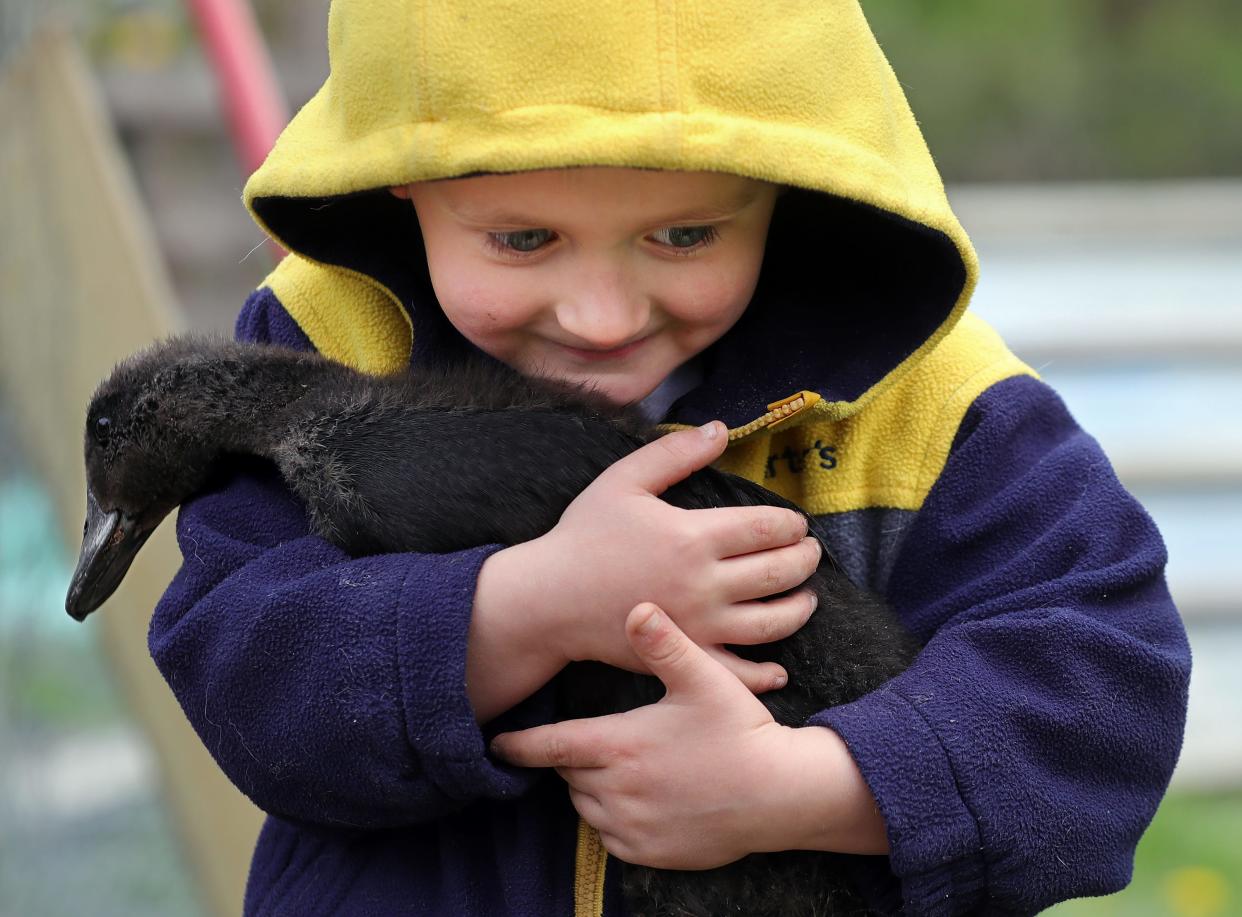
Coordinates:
495 749
647 626
779 681
814 601
710 430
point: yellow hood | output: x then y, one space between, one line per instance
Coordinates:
866 263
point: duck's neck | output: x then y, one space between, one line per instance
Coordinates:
252 395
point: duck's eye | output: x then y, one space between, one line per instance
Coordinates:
103 429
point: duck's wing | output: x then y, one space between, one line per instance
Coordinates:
384 477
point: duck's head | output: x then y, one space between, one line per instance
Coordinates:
148 448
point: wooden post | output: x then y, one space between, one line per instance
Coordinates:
82 284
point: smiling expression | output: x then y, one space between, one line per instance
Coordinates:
607 277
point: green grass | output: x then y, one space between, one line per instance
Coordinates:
1189 864
1071 89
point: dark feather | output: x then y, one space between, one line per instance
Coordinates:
437 462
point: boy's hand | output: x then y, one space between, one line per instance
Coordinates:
638 777
706 775
618 544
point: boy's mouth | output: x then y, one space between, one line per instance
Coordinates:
589 355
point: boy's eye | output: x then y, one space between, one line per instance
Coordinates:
523 240
685 236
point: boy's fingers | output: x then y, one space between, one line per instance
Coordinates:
588 806
759 575
671 656
758 677
574 743
659 465
738 530
752 623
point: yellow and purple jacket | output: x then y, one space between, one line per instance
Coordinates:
1016 762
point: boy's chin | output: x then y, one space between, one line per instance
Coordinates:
619 385
617 390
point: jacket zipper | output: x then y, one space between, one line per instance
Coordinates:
778 412
591 859
590 863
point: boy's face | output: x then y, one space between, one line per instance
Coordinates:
604 276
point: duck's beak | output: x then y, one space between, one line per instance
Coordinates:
110 542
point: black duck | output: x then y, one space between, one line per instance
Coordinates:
441 461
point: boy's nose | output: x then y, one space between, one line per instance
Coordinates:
604 315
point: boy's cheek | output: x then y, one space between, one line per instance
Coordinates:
712 299
469 297
478 310
476 323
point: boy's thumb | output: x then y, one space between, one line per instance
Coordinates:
671 656
673 457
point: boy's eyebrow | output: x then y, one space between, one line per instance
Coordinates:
713 212
718 211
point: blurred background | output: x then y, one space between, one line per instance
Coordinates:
1093 150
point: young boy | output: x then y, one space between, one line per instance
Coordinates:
704 211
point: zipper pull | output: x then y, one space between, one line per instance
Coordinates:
778 412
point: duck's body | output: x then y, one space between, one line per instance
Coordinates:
437 462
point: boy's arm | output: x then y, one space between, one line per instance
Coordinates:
1017 762
329 689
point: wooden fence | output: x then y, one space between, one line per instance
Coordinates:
82 285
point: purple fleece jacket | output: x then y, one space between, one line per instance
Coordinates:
1016 763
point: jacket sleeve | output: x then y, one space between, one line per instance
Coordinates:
329 689
1018 761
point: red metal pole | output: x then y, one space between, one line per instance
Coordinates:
252 99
